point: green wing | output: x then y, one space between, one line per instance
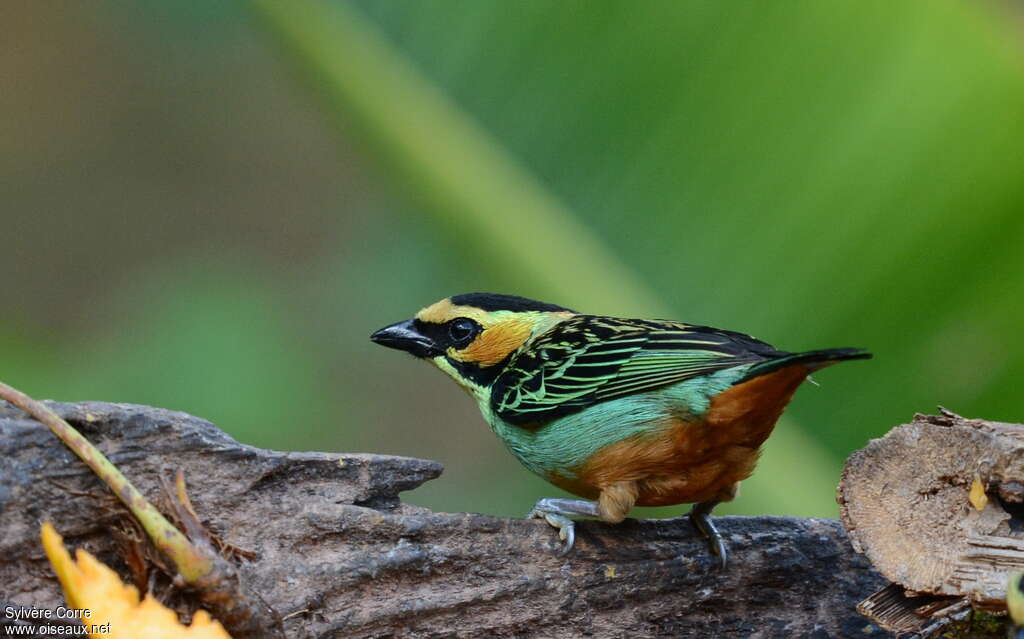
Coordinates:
590 359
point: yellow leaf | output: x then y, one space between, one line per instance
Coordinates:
111 609
978 497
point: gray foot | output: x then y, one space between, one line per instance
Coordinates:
700 517
555 511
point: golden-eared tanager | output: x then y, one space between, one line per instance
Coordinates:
622 412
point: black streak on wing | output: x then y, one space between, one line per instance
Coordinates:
588 359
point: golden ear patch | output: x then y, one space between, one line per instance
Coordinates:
495 343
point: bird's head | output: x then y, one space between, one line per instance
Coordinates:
471 337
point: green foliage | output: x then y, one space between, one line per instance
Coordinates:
978 625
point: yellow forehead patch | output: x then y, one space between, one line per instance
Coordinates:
443 311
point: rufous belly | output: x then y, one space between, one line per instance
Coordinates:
681 461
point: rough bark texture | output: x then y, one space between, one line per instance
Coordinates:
907 502
340 556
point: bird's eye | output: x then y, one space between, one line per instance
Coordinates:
461 330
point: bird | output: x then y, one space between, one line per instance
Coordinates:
620 412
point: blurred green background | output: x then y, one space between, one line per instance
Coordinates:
208 206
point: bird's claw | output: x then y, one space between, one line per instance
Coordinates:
566 527
702 522
717 545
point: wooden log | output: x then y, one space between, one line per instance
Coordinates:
338 555
937 506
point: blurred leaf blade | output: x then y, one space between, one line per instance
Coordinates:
453 166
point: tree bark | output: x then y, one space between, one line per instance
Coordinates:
336 553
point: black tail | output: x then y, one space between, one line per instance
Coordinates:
812 359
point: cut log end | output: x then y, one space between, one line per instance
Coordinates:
936 504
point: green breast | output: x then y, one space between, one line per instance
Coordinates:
567 442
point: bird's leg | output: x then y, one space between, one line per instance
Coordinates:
556 512
612 505
700 517
701 520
